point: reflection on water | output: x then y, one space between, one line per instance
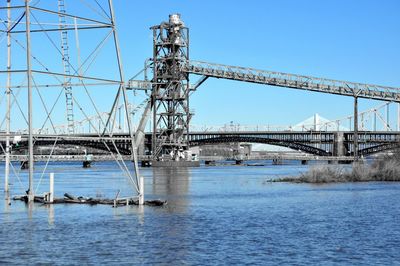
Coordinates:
172 184
7 202
30 207
50 213
140 214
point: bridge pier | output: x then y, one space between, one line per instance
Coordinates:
87 164
210 162
239 162
156 163
355 136
339 148
145 163
277 161
24 165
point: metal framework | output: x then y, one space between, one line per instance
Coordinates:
170 95
67 70
280 79
25 20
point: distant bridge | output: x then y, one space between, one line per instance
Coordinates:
276 157
320 143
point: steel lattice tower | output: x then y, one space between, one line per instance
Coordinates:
170 97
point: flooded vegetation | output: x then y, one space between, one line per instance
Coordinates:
383 169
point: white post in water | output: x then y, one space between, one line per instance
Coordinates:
141 190
51 199
30 108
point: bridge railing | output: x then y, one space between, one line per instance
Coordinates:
259 128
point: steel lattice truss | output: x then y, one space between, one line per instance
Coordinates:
280 79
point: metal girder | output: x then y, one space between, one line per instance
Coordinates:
147 85
252 75
360 90
139 85
198 83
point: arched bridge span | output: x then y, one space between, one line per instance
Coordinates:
321 143
292 145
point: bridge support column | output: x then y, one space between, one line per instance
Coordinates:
210 163
145 163
398 116
141 147
339 148
87 164
355 136
24 165
277 161
238 162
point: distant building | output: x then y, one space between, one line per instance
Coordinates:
228 150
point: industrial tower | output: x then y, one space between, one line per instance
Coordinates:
170 95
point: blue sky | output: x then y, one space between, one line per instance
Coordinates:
346 40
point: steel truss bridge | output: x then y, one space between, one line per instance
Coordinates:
320 143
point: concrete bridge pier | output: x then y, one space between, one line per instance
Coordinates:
238 161
277 161
339 148
86 164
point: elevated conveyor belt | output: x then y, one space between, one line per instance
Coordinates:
345 88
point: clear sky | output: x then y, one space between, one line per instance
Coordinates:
342 39
346 40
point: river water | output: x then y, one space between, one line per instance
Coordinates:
215 215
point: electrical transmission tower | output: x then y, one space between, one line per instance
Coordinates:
66 66
40 79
